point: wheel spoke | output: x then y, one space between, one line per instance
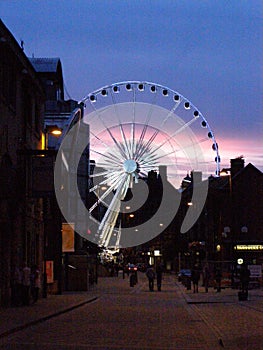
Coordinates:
119 145
100 140
145 127
147 145
123 136
132 136
171 112
99 174
173 135
108 222
108 191
110 156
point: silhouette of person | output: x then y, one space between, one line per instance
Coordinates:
26 272
35 283
218 277
151 276
244 278
17 286
195 275
159 276
207 275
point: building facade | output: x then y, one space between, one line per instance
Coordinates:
31 101
241 223
230 227
22 100
69 266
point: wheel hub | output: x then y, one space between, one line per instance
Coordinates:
129 166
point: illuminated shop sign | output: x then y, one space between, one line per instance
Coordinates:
248 247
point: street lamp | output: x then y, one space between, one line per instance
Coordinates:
244 229
52 130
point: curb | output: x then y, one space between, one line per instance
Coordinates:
45 318
192 301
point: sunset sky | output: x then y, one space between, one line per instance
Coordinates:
208 51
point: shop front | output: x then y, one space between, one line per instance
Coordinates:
251 255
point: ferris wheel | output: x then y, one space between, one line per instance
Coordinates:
136 127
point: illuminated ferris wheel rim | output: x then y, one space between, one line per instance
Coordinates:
140 86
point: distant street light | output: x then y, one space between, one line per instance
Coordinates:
244 229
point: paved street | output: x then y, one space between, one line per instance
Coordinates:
115 316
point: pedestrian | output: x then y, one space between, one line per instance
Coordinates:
35 283
123 271
218 277
151 276
206 277
159 273
128 269
116 269
16 286
26 272
244 278
195 276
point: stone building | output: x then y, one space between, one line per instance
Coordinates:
22 102
57 116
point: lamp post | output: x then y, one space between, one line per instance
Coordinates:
55 131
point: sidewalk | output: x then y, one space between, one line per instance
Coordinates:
17 318
227 295
13 319
236 324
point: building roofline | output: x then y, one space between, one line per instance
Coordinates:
7 36
46 64
249 165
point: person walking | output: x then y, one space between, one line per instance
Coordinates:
244 279
159 276
26 272
218 277
195 275
35 283
206 277
151 276
16 286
